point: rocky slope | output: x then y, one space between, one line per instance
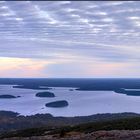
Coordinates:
114 127
98 135
13 121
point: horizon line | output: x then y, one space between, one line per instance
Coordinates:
69 78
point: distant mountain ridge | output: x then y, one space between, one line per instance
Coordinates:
81 84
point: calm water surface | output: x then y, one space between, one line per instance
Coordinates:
81 103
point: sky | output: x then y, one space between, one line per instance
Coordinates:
70 39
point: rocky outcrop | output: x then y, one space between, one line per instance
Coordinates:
98 135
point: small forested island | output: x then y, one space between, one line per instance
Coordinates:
6 96
61 103
45 94
71 90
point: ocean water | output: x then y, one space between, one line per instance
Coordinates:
81 103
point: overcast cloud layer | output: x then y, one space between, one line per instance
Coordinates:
69 39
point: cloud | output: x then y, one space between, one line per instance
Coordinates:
65 31
96 69
19 67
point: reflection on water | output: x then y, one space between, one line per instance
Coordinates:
81 103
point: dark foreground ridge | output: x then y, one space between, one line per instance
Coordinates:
96 135
113 129
13 121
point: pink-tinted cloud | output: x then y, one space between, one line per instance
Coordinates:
18 67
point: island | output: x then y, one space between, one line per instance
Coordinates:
45 94
129 92
32 86
71 90
61 103
6 96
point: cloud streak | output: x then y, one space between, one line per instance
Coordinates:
68 31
